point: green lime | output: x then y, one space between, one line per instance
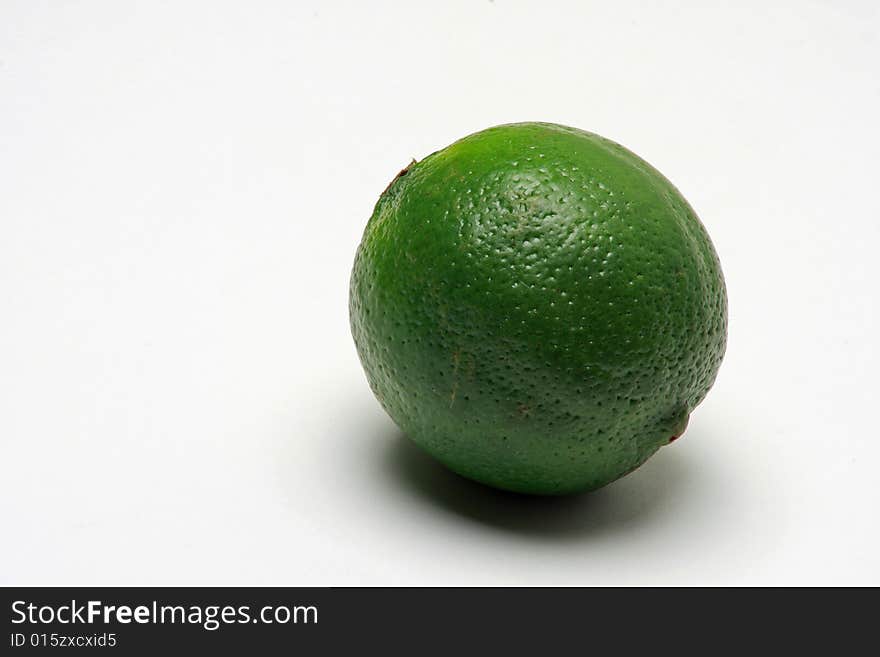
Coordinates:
538 308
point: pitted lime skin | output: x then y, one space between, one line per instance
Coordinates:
537 308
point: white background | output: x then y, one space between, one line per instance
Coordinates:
182 189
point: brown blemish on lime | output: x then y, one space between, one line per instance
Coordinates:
399 175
